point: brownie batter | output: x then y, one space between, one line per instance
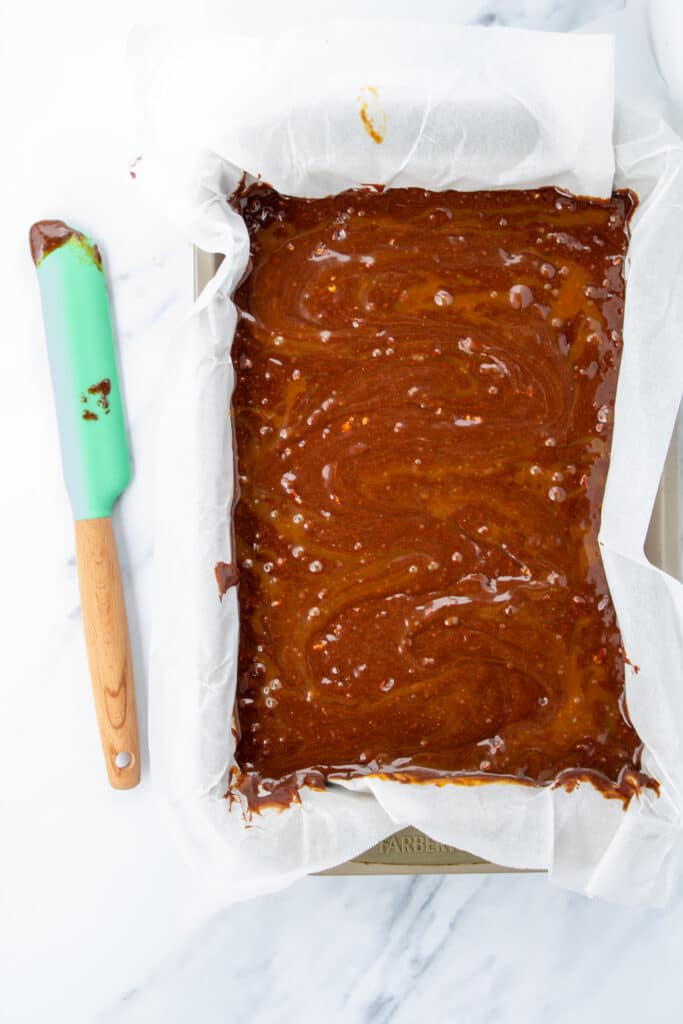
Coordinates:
423 414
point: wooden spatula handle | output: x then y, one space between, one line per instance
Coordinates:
108 645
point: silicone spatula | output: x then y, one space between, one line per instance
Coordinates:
96 467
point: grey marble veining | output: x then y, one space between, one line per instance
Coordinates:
549 15
380 950
100 918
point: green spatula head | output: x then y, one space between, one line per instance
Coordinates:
80 346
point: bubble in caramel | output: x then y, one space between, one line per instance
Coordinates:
423 410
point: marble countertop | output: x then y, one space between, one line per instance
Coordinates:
100 917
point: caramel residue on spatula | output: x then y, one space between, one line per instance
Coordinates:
47 235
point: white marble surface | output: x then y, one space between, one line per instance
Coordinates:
100 919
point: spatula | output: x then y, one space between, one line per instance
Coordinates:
96 468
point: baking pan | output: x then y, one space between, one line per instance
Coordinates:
410 852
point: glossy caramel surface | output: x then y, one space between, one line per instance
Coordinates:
423 414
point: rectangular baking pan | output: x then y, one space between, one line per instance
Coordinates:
410 852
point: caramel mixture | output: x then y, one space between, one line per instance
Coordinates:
423 415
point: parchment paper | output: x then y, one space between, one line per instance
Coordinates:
467 109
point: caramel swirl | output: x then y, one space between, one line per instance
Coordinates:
423 415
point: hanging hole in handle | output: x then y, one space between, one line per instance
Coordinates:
123 759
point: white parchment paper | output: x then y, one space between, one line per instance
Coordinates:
466 109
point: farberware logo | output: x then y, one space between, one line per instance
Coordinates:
412 844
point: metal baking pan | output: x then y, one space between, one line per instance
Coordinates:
410 852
